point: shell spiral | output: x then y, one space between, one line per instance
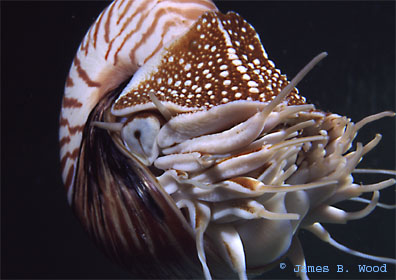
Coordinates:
185 152
123 38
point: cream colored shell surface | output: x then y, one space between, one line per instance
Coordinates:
123 38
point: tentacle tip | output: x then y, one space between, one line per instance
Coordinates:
390 113
324 54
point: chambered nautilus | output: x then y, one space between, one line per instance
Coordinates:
186 154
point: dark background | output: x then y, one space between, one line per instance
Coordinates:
40 237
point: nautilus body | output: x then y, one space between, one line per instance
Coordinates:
186 153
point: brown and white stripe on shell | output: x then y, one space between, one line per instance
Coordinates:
123 38
208 147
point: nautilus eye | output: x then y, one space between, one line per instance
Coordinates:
186 153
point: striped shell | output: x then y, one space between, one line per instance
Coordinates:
208 161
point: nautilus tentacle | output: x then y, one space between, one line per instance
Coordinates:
207 162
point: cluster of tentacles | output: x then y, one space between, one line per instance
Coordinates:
251 184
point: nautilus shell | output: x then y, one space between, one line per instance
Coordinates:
186 153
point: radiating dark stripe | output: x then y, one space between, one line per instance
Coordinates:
75 129
64 141
128 5
83 75
126 23
72 129
190 14
71 103
107 23
126 37
97 25
86 40
69 82
73 155
206 4
63 122
160 45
